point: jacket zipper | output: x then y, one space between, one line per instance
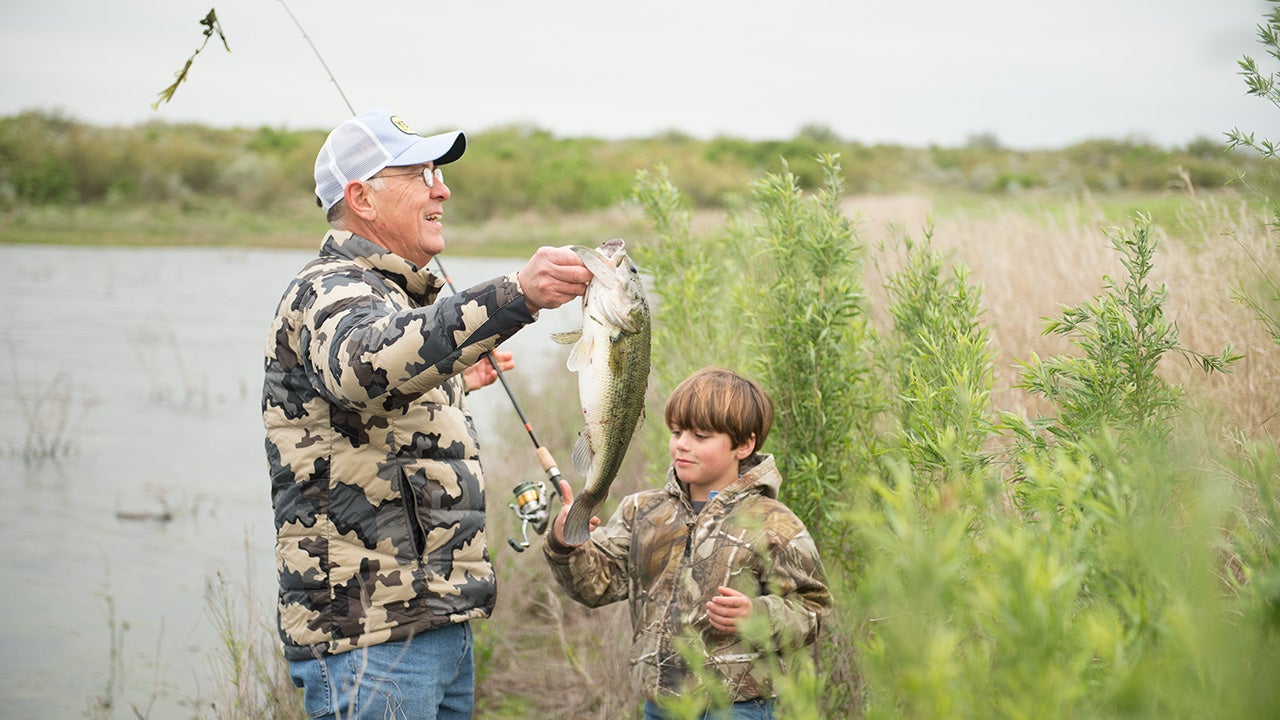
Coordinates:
665 649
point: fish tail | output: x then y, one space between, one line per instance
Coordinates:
577 524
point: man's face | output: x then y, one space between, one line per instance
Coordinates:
409 212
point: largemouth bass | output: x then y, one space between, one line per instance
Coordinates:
611 356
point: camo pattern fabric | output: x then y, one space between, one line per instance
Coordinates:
376 482
669 562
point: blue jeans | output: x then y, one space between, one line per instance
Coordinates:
430 676
758 709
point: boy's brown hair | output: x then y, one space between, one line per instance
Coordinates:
718 400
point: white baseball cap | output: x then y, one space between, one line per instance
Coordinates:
361 147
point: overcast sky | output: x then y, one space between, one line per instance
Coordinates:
1033 73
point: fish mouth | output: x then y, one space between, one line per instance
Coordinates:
612 248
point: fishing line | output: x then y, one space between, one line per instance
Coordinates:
319 57
531 505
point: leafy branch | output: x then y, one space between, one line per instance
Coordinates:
211 25
1265 85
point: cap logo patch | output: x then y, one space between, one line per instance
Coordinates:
402 125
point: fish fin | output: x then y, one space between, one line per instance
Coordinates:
567 338
580 355
582 455
577 524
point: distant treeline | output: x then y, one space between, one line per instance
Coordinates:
46 158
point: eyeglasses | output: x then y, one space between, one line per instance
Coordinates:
428 175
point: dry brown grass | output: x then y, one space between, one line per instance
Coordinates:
1030 266
548 656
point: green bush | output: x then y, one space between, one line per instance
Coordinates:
50 182
938 359
1124 335
779 298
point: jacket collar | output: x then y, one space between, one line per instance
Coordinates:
419 283
760 475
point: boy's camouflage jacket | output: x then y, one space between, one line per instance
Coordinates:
668 562
375 474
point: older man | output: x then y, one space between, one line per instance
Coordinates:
376 481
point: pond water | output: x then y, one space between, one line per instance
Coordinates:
146 365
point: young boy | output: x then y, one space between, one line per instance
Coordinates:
704 553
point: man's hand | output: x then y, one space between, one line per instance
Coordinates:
482 373
727 609
553 277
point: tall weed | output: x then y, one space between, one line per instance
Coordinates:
50 414
777 296
252 676
938 357
1255 464
1124 335
805 305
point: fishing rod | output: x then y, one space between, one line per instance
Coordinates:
531 505
319 57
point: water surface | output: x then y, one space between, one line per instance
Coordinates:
149 363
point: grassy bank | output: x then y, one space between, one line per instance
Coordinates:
222 224
217 222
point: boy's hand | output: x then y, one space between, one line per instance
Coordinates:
566 502
726 609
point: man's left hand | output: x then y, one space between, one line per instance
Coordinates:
482 373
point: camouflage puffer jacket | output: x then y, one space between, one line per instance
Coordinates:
669 562
375 475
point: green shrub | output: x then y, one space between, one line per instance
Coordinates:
1124 335
777 297
939 362
48 183
803 301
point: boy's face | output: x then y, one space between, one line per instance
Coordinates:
706 461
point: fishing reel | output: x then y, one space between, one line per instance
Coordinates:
530 506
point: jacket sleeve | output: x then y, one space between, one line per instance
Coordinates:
597 572
796 597
371 353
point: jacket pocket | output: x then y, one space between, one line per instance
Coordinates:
410 503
